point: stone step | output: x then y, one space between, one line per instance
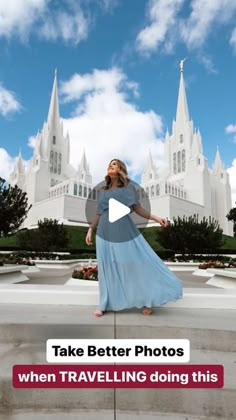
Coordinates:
206 329
203 402
44 294
91 415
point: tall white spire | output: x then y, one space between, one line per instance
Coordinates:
182 113
149 163
53 113
83 166
20 164
218 165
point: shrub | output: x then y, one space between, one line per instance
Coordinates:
189 236
50 236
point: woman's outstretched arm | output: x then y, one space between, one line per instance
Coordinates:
147 215
93 226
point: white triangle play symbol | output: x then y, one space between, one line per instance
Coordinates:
116 210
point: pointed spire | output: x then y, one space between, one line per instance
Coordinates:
182 105
53 112
149 163
83 163
218 165
19 163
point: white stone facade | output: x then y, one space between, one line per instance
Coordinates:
186 185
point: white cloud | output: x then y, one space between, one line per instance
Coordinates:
107 124
17 16
203 16
231 128
31 141
70 25
232 178
167 27
108 5
207 62
8 102
67 20
162 16
233 39
6 164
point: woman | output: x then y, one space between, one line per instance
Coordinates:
130 273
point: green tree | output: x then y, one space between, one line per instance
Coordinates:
50 236
189 236
13 208
231 216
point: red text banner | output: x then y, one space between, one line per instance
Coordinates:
118 376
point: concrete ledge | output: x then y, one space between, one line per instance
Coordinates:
182 266
12 273
174 266
88 295
222 278
52 268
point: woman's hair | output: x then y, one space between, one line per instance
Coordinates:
123 178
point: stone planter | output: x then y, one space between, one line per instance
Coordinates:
12 273
82 283
53 268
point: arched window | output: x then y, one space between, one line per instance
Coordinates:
59 164
183 160
80 190
89 193
157 189
54 140
172 189
152 191
94 194
181 138
64 188
179 161
147 191
166 188
75 188
55 163
174 163
67 188
85 191
51 161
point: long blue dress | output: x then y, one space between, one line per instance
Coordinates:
130 273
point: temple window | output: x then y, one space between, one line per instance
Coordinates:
174 163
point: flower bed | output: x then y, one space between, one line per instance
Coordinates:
216 264
86 273
15 259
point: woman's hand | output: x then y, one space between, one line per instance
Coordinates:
163 222
88 238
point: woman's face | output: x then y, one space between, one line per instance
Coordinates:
112 169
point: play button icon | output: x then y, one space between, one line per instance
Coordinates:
119 222
116 210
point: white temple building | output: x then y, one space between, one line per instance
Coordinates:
186 186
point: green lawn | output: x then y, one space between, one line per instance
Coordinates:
77 239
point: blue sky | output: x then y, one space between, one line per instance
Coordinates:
118 76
